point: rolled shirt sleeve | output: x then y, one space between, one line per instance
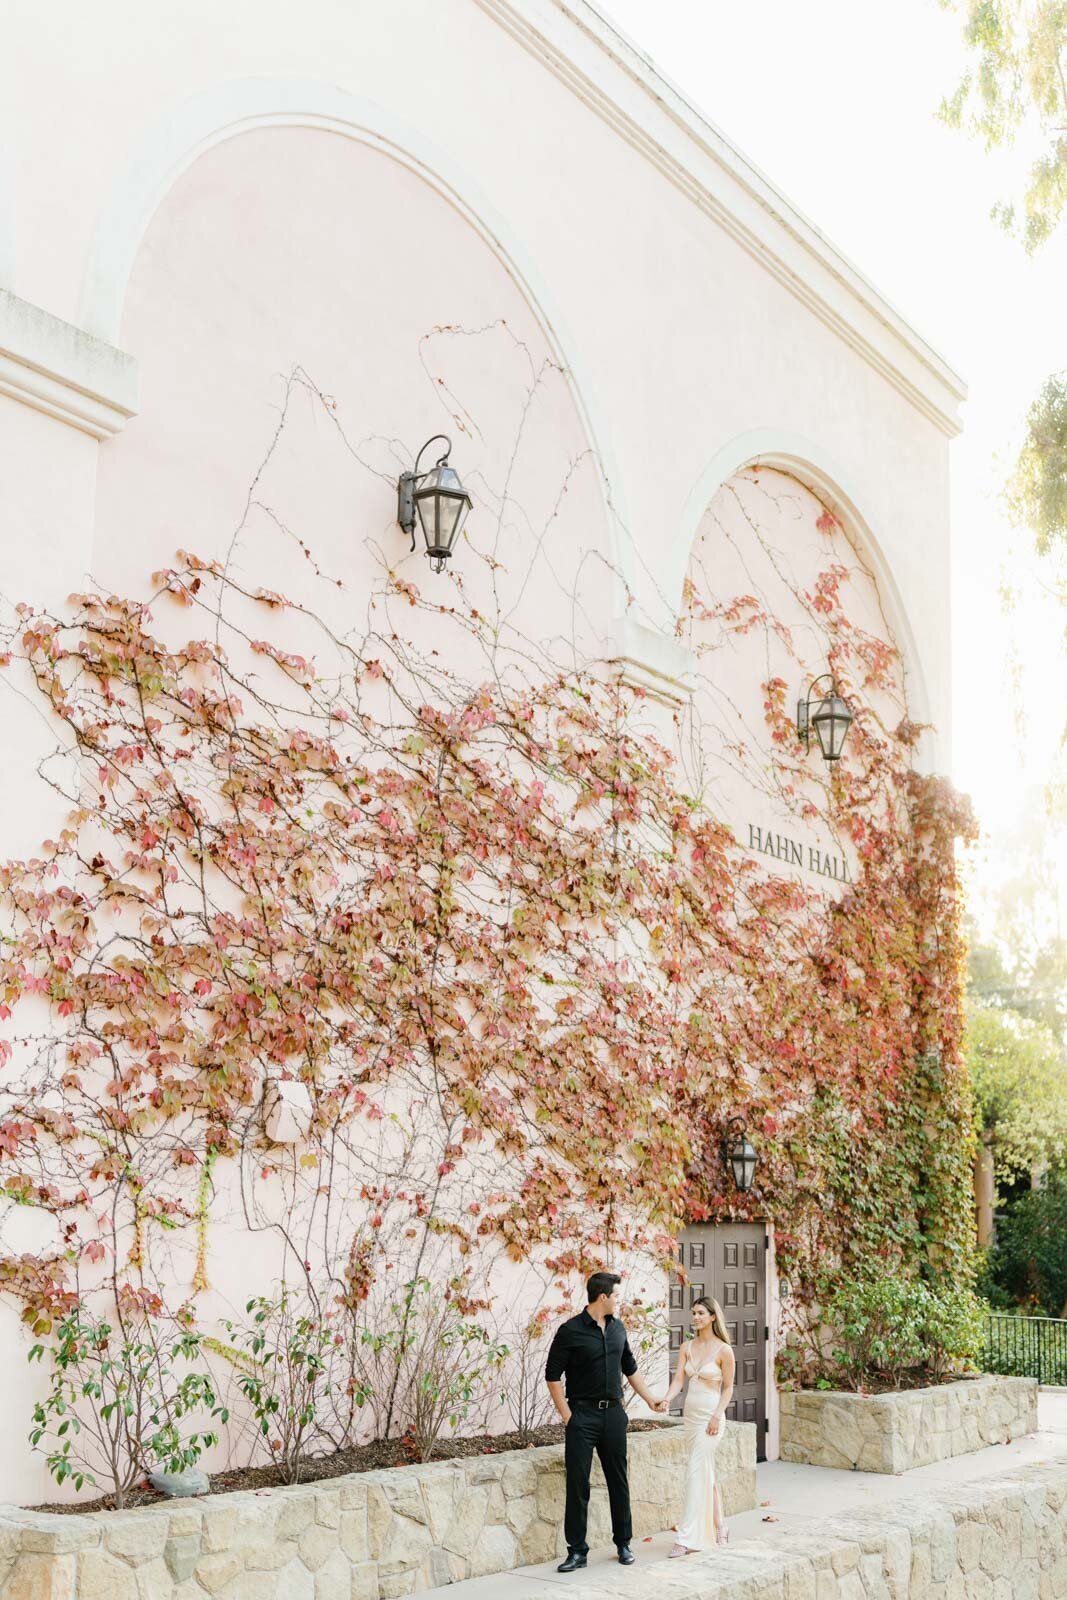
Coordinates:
556 1364
626 1361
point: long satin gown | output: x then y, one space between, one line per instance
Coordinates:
697 1527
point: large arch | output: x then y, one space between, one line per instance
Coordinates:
232 108
806 461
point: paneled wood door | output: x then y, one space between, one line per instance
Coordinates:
728 1262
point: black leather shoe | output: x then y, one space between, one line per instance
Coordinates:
573 1562
626 1555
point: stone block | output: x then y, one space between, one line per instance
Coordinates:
181 1553
540 1542
295 1582
154 1580
214 1572
405 1544
352 1493
104 1577
316 1544
270 1554
352 1534
394 1583
294 1513
365 1581
139 1537
333 1581
496 1550
220 1528
467 1522
38 1576
327 1508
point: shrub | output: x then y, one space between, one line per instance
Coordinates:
951 1327
282 1356
120 1405
523 1389
878 1324
448 1360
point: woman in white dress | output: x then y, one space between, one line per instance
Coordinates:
706 1363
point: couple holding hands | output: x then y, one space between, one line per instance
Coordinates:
592 1353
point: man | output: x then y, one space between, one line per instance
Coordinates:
593 1352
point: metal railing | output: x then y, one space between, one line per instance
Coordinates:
1027 1347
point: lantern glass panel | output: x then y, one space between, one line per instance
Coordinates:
832 721
743 1163
442 504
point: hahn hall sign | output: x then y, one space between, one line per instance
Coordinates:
793 853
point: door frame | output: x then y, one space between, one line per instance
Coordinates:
767 1448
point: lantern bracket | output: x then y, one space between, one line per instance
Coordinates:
405 512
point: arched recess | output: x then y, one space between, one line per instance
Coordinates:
232 108
805 461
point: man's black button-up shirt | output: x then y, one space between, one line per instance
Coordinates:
593 1361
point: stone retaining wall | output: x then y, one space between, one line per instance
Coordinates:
1002 1538
909 1428
368 1536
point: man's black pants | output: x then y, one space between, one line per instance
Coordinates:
604 1432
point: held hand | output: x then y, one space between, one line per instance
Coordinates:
659 1405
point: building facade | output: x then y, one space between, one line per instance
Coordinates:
249 263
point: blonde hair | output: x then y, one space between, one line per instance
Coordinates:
718 1319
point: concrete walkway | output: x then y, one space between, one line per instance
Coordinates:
789 1496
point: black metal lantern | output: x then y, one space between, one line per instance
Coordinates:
739 1154
829 715
438 500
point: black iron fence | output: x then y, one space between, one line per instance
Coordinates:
1027 1347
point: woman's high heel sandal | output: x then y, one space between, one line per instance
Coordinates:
679 1550
723 1535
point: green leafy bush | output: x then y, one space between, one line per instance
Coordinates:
952 1327
878 1325
887 1330
282 1356
120 1403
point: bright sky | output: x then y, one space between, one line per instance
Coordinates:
835 101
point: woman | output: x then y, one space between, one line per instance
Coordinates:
706 1362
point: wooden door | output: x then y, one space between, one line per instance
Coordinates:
728 1262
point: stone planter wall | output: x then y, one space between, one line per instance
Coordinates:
909 1428
368 1536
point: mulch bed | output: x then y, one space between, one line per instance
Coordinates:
362 1458
878 1384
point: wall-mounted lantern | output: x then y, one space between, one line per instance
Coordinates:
438 500
828 715
739 1154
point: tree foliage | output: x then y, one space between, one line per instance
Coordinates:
1016 86
1019 1071
1037 489
1028 1267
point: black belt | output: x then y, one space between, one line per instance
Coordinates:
601 1405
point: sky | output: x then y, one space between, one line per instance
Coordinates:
836 100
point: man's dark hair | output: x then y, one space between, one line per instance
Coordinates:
601 1283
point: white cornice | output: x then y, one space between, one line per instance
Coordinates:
656 663
63 371
623 87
